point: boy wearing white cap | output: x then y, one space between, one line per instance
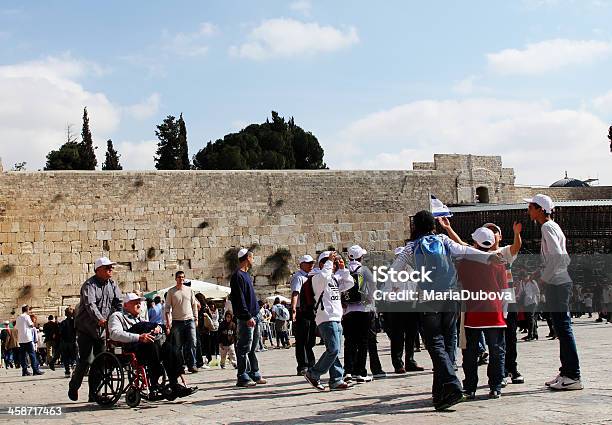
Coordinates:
483 315
100 296
328 280
304 328
558 289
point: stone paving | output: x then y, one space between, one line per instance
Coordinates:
288 399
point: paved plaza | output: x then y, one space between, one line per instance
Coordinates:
288 399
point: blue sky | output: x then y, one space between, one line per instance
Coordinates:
381 84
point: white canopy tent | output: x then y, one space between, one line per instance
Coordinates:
271 299
210 290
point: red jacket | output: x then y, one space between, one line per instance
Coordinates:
483 279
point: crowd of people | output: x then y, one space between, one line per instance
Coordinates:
336 301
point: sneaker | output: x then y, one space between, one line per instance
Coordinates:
469 395
194 369
38 372
314 382
340 387
245 384
414 368
504 382
448 401
400 371
552 381
261 381
363 379
348 377
564 383
517 378
380 375
494 394
204 367
73 394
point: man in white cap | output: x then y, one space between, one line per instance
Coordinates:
328 280
304 328
558 290
245 307
483 315
144 340
100 296
357 320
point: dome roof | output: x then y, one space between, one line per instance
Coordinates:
569 182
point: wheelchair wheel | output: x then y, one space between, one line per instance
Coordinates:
132 397
107 373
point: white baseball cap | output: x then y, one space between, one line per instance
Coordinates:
356 251
543 201
323 255
103 261
242 252
398 250
489 225
306 259
130 296
484 237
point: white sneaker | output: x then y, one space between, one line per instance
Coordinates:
552 381
362 379
504 382
565 383
205 366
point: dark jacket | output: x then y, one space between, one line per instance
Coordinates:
244 301
227 333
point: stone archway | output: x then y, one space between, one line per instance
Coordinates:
482 194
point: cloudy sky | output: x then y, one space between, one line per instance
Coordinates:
381 84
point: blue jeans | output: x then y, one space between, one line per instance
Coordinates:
28 349
248 338
496 341
439 333
331 332
557 298
184 335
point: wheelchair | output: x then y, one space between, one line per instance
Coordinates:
118 372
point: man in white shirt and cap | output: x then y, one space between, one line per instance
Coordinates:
558 289
304 328
24 327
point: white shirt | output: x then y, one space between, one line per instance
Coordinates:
554 255
330 284
24 328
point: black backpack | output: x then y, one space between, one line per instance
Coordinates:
308 305
353 295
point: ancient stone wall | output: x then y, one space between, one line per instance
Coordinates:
53 225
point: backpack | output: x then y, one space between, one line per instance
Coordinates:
431 254
308 305
281 312
355 294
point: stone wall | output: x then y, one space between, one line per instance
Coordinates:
564 193
53 225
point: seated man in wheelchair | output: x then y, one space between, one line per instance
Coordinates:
145 340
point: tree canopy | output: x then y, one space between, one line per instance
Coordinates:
272 145
172 151
111 161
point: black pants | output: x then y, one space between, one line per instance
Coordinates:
87 344
438 334
356 325
149 355
510 336
68 350
404 328
305 338
375 366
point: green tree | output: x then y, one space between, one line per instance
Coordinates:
19 166
172 151
112 158
87 154
275 144
182 154
610 137
67 157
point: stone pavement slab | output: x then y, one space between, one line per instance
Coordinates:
288 399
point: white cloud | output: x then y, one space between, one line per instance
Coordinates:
145 109
189 44
537 140
465 86
289 38
302 6
546 56
603 103
39 98
137 155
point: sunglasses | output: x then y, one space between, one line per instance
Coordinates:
108 267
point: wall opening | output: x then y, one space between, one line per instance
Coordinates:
482 195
